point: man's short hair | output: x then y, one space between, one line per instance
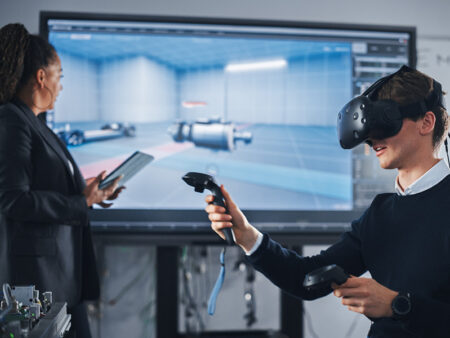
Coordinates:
408 87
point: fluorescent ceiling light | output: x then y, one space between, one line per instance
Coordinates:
243 67
80 36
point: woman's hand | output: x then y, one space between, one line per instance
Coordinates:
114 195
94 195
245 234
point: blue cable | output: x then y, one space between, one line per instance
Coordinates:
219 282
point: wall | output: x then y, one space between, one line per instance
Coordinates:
430 17
151 88
82 104
104 90
204 86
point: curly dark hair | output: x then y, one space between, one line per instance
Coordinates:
409 87
21 56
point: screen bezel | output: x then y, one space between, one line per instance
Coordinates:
138 216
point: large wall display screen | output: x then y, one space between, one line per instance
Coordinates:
252 103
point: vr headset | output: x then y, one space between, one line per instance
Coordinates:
366 117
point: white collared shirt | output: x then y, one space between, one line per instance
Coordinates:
432 177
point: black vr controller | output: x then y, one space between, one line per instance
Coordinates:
200 182
323 277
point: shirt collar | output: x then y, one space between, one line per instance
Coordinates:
432 177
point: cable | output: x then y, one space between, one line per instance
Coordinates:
446 149
148 311
7 293
191 308
219 282
127 287
203 283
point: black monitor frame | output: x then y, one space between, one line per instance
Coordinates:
168 221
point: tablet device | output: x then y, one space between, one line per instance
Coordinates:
130 167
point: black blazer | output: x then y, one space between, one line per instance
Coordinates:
45 236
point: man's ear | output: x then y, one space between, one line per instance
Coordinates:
427 123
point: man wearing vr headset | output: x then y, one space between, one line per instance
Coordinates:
402 239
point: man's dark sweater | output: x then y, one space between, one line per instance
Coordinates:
403 241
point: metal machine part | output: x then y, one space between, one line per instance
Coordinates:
77 137
25 294
48 296
210 133
24 314
56 323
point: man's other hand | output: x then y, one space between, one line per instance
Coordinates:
366 296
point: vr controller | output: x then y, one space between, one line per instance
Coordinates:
323 277
200 182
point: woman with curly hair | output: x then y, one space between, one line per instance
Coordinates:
45 236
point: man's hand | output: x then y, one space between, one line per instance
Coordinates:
244 233
366 296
